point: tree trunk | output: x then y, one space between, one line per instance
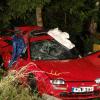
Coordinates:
39 16
93 27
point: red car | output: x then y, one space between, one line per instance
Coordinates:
54 70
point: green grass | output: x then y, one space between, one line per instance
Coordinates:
11 90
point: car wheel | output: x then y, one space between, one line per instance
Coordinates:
1 62
32 82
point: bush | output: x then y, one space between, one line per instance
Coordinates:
11 90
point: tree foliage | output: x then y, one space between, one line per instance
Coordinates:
73 13
13 9
70 15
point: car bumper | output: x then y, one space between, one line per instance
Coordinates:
68 94
78 96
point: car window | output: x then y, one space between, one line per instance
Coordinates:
50 49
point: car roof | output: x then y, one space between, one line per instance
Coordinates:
27 28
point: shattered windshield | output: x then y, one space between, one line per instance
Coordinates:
51 49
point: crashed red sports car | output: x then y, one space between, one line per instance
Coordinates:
53 69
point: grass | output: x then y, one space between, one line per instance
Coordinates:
11 90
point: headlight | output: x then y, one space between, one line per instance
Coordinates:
97 80
57 82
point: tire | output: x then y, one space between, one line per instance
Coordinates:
1 62
32 82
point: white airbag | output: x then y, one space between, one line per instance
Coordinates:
61 37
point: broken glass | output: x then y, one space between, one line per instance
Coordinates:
50 49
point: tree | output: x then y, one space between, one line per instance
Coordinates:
73 14
70 15
13 9
39 16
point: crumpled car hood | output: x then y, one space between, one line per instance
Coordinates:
72 70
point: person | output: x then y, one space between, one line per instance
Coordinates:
18 48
